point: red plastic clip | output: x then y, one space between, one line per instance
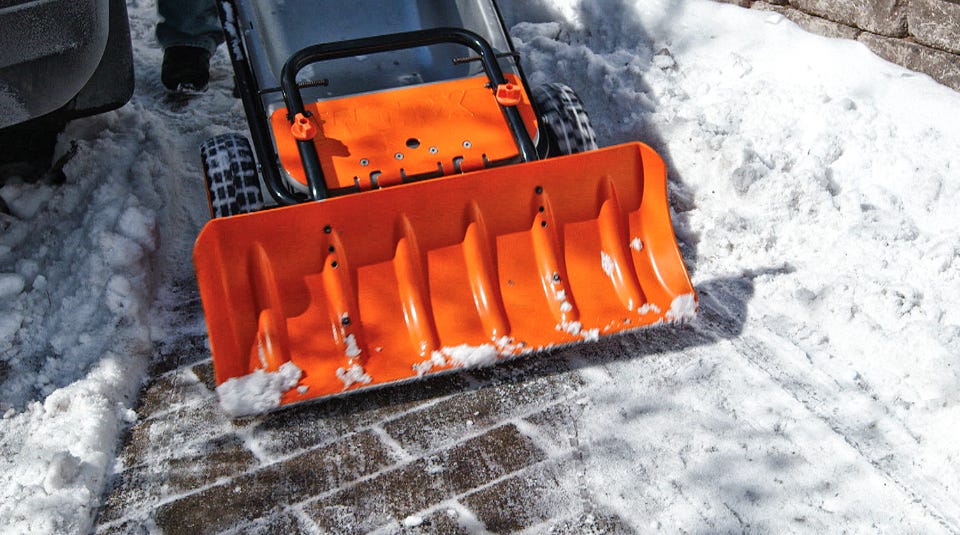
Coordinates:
304 128
509 94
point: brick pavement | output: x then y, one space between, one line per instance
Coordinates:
491 450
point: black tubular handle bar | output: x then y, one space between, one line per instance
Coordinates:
386 43
253 107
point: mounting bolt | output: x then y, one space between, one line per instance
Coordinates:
556 277
345 321
364 162
327 229
467 144
539 190
398 155
434 150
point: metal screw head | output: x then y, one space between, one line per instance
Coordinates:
364 162
467 144
398 155
434 150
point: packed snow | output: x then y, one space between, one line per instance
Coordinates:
259 391
814 190
682 308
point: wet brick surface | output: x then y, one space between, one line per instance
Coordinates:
489 449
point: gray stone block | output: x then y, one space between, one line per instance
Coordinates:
445 422
145 485
884 17
268 490
741 3
942 66
936 23
390 496
519 502
810 23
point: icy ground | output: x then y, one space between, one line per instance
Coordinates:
815 191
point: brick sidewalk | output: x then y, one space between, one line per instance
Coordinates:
494 449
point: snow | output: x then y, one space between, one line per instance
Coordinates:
467 356
353 374
813 187
412 521
259 391
11 285
353 350
682 308
606 262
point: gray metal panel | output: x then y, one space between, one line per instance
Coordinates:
274 30
48 51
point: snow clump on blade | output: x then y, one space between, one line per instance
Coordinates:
257 392
683 308
467 356
353 375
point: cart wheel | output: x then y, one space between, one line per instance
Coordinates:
563 120
230 172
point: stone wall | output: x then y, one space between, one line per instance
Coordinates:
922 35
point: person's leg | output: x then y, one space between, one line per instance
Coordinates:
189 23
189 32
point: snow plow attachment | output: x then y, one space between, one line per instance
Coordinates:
392 284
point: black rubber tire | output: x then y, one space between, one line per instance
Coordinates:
563 120
230 172
29 147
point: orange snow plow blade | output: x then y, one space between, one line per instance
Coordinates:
388 285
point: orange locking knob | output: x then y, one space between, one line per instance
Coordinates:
304 128
509 94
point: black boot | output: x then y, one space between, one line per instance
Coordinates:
186 69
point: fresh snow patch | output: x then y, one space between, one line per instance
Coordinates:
467 356
590 335
648 308
570 327
258 391
11 285
412 521
682 308
607 263
352 375
575 328
353 350
436 359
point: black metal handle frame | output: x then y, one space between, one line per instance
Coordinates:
247 87
386 43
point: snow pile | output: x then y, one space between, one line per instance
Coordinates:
815 189
259 391
76 281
